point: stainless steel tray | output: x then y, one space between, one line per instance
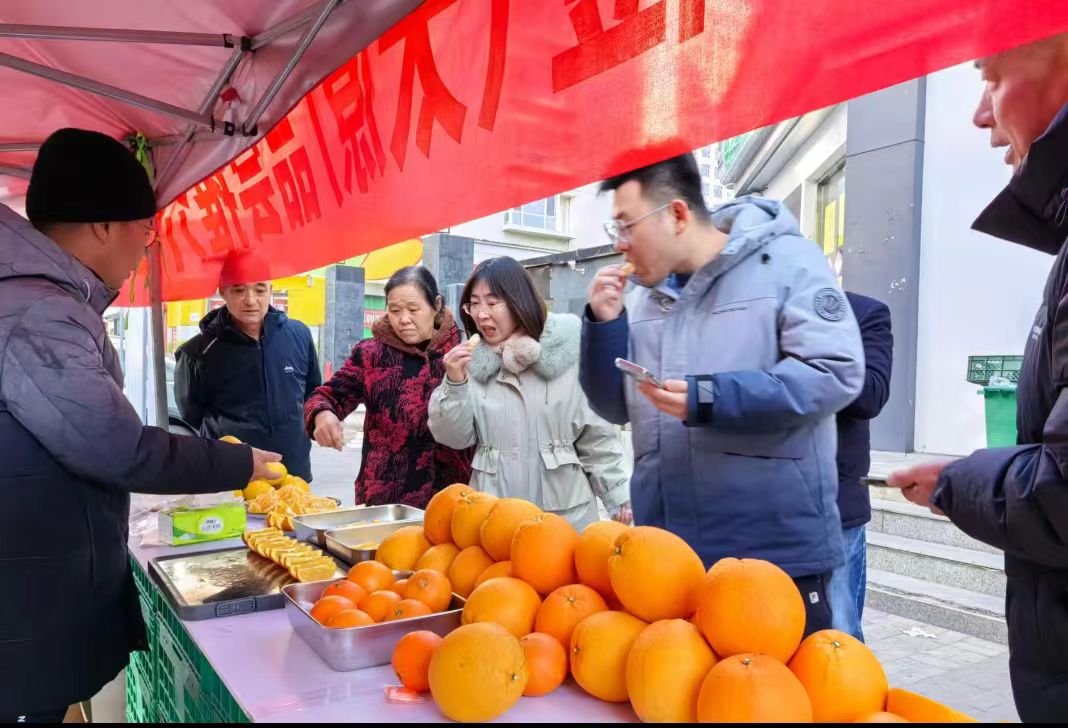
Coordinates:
355 648
313 528
221 583
354 544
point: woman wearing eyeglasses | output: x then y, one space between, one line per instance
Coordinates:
513 392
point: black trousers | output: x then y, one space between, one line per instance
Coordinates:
817 607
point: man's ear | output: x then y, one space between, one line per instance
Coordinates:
102 231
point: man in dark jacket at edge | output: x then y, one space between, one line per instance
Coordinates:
1017 498
848 582
72 448
250 369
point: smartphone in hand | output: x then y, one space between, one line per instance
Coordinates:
641 374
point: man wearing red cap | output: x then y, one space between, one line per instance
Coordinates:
251 367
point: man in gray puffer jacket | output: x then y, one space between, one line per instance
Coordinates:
72 449
744 322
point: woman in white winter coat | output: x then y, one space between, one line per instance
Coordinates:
513 392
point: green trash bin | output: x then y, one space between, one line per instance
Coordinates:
1000 415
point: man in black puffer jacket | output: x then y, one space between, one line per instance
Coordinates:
1017 498
72 448
250 369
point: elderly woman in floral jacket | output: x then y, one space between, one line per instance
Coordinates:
393 375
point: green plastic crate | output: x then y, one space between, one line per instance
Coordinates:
140 690
184 686
981 369
1000 416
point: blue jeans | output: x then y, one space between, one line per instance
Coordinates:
848 583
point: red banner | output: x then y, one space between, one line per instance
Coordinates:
468 107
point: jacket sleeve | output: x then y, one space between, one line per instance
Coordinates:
313 379
601 454
878 339
820 371
53 381
452 416
602 344
1017 498
341 395
187 388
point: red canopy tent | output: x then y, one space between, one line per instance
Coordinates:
315 130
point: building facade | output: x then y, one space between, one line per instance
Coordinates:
889 184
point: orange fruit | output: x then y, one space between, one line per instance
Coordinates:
564 608
400 586
504 518
406 609
437 521
543 552
411 659
596 544
477 673
431 588
327 607
546 664
501 568
749 606
752 689
349 618
401 549
842 677
655 574
665 669
599 649
881 717
467 517
466 568
345 588
916 708
371 575
379 604
438 558
511 603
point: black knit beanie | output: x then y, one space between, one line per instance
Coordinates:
86 176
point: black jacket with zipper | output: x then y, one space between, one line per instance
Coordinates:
227 383
1017 498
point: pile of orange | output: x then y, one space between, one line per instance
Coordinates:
371 595
632 616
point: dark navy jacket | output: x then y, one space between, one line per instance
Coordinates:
854 433
1017 498
228 384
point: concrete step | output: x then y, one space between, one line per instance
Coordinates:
952 566
959 610
901 518
885 493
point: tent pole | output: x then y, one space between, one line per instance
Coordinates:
155 298
285 27
50 32
205 106
276 85
102 89
15 171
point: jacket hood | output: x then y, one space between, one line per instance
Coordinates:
27 253
1033 209
446 335
559 351
750 219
